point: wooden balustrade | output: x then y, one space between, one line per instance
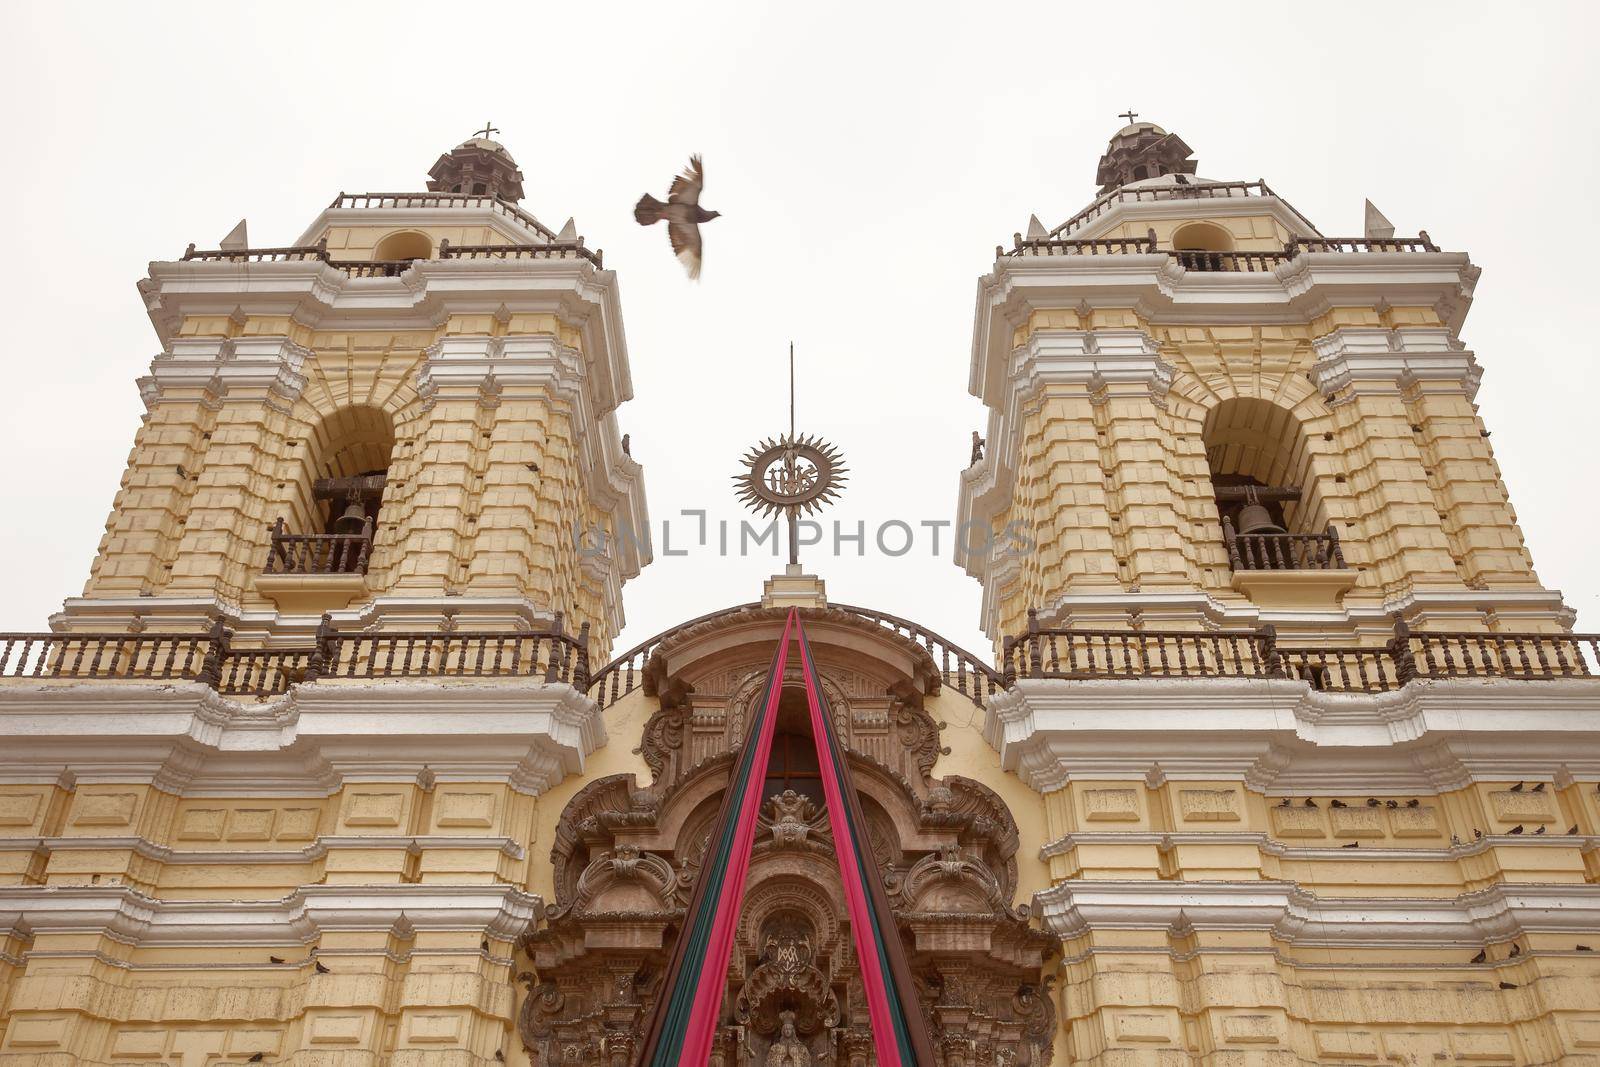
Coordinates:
262 672
552 250
95 656
1247 261
369 201
959 669
551 656
1057 243
1283 551
1342 670
1497 655
1160 192
318 251
555 656
1420 243
372 268
1044 652
210 658
319 553
625 673
1089 654
1098 246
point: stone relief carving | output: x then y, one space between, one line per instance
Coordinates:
627 859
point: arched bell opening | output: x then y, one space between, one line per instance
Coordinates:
404 246
1268 501
332 517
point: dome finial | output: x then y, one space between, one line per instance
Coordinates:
1142 150
477 166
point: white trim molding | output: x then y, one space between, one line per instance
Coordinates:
1359 361
1280 736
1297 916
267 369
127 916
187 740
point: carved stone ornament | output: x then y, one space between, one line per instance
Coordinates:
627 859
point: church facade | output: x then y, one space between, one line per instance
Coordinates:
1281 753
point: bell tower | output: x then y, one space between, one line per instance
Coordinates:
1204 412
406 418
1275 656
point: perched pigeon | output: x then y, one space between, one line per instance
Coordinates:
682 212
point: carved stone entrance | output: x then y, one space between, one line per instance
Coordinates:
627 858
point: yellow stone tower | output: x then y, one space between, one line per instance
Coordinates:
408 418
1317 752
383 452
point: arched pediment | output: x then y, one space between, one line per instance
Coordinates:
630 856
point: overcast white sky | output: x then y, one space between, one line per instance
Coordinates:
867 159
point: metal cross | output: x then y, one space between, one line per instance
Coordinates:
1130 115
486 131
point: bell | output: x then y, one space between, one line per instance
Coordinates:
1255 519
353 519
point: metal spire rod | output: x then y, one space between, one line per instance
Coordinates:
789 470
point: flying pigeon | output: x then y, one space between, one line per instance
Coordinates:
682 212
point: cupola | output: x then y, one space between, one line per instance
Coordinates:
477 166
1142 150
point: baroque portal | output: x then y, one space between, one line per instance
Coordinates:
627 858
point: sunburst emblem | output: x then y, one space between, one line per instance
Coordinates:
791 474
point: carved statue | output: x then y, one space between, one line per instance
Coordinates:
787 1050
791 822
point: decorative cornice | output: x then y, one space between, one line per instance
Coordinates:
1297 916
261 369
165 854
1362 361
1280 735
187 740
132 918
1096 360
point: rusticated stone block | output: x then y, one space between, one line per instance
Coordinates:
298 824
1346 1044
374 809
1522 807
19 810
1298 821
1209 805
467 810
1250 1029
1415 822
201 824
1486 1045
105 809
1142 1027
1357 822
1111 805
